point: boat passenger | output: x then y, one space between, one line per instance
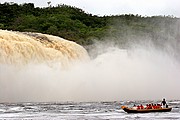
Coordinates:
147 106
138 107
164 104
158 105
134 107
141 106
154 106
150 106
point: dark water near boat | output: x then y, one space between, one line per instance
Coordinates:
82 110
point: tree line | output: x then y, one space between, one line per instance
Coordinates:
76 25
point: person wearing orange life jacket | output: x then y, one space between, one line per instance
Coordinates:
138 107
141 106
154 106
147 106
158 105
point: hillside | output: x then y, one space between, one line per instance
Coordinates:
74 24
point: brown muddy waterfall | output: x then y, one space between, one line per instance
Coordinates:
22 48
35 67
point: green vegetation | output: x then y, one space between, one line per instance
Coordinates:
74 24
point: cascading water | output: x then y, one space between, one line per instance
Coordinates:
22 48
30 63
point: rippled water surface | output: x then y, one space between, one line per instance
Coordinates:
82 110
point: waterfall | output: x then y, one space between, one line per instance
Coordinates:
19 48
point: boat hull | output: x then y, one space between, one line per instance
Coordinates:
130 110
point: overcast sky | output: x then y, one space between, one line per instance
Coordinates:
115 7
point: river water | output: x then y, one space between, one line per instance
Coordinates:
82 110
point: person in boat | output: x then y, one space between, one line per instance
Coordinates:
141 106
158 105
138 107
164 104
149 106
134 107
154 106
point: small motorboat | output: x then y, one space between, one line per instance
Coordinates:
131 110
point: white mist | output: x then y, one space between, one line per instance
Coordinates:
114 74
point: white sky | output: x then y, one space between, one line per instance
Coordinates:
115 7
